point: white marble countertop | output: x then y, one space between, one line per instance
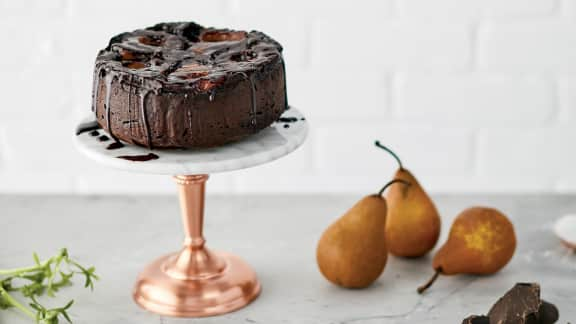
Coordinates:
277 235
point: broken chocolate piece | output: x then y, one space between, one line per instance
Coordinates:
520 305
548 313
475 319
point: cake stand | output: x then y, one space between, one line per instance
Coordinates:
196 281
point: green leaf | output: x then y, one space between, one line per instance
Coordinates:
6 284
36 258
65 314
35 276
33 289
70 303
4 304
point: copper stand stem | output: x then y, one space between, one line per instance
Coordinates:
195 281
194 261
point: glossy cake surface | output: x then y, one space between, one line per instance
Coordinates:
180 85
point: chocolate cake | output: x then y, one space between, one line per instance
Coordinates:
181 85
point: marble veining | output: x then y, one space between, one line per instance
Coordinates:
265 146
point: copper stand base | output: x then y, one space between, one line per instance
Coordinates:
195 282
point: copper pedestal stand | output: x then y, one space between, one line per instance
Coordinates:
195 282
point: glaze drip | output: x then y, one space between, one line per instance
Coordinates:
109 78
96 86
130 104
285 87
144 116
252 96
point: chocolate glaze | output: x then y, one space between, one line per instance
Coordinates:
183 85
87 127
139 158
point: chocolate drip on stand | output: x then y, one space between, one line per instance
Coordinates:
87 127
115 145
139 158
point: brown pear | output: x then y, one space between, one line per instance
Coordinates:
352 252
413 223
481 242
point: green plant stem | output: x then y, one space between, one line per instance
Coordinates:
43 279
18 271
7 297
41 266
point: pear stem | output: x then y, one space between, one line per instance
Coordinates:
378 144
427 285
406 183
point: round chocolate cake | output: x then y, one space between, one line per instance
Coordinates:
180 85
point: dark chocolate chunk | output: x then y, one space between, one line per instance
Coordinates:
475 319
139 158
94 133
520 305
548 313
103 138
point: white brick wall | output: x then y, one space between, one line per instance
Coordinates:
475 95
476 99
477 8
540 45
